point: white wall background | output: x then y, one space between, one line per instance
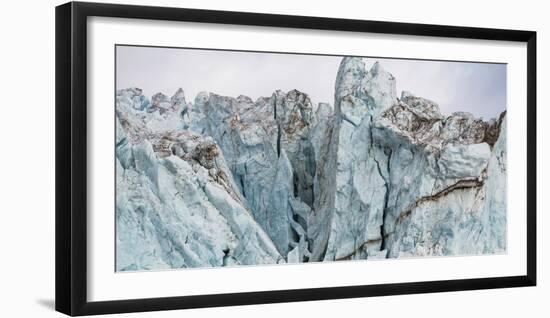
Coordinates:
27 159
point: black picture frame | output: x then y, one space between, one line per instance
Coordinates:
71 157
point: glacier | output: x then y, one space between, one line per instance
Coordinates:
226 181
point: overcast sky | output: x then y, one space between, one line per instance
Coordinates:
477 88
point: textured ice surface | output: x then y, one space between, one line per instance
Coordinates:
225 181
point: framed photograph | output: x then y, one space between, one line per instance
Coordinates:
210 158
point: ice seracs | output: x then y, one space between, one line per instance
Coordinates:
224 181
177 204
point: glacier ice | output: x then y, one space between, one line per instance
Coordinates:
225 181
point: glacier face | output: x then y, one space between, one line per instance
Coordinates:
225 181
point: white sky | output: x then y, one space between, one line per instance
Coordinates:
477 88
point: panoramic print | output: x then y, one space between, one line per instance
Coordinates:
230 158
